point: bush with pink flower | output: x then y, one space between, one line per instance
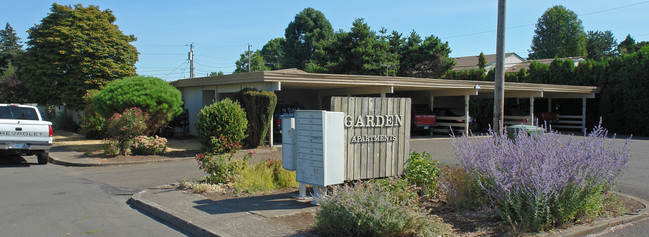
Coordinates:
143 145
126 135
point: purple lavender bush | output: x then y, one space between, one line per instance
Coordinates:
543 181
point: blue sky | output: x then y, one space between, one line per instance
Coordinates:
221 30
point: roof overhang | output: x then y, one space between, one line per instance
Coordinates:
364 84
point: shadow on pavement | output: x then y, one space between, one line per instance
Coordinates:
267 205
13 161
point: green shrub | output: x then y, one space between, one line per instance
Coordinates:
259 107
126 126
366 210
222 145
111 147
256 178
423 172
264 177
93 125
161 101
225 117
143 145
221 168
399 188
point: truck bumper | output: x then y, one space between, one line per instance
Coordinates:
24 148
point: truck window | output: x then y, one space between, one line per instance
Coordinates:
10 112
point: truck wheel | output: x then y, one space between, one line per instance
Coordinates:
43 157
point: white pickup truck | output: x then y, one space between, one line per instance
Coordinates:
23 132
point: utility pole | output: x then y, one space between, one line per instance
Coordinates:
191 60
249 55
499 90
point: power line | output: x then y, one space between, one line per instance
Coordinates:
184 63
615 8
525 25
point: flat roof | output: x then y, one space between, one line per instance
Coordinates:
297 79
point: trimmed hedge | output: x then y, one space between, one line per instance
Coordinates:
161 101
259 106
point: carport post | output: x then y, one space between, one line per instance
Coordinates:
270 132
432 99
532 110
466 114
583 115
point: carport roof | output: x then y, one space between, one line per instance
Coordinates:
297 79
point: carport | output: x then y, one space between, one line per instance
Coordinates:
312 90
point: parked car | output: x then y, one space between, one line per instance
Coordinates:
447 112
24 132
283 110
422 118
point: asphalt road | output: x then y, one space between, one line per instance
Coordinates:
52 200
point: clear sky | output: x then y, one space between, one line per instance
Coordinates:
222 30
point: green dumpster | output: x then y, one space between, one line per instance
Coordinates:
531 130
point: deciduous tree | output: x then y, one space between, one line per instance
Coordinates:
558 33
257 63
273 53
73 50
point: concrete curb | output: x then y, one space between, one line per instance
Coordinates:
139 203
56 161
584 230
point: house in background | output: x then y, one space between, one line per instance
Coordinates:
526 64
513 62
471 62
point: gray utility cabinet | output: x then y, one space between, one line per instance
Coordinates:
319 143
288 143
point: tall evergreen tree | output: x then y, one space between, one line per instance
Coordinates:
426 58
73 50
10 49
303 36
601 44
558 33
482 61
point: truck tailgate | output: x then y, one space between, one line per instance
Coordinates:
425 120
25 131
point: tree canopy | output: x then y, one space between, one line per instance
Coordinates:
73 50
257 62
558 33
601 44
630 46
10 49
303 35
311 45
273 53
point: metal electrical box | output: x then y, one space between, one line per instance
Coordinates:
288 143
319 142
